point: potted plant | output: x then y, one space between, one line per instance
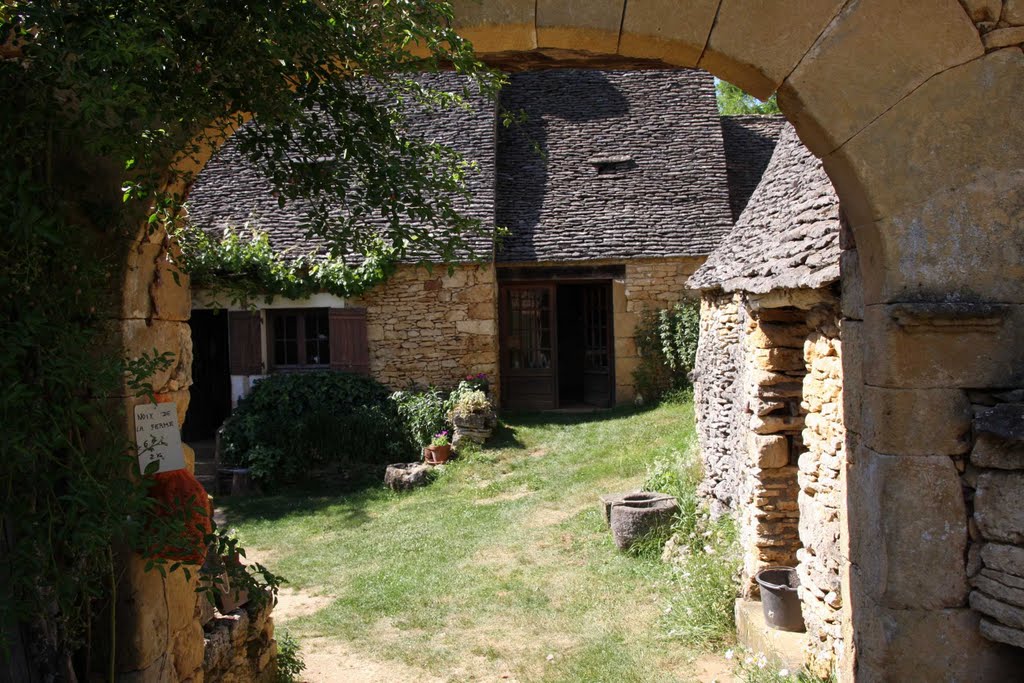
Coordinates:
439 450
472 416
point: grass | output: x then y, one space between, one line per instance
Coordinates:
503 566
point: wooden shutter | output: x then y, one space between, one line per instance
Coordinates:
350 348
244 343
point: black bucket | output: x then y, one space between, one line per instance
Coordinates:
779 599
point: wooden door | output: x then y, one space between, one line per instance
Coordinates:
529 347
597 346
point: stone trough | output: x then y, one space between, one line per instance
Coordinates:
637 515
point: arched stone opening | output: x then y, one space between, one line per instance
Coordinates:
915 114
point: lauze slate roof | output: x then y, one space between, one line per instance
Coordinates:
613 164
749 143
788 235
230 191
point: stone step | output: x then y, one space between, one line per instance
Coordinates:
206 468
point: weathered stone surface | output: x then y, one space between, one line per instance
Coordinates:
591 25
757 46
160 336
875 183
1013 12
991 452
982 218
916 422
940 645
498 25
142 619
993 588
151 290
406 476
664 29
770 451
993 630
983 10
1003 558
852 284
997 609
908 513
639 514
1003 37
943 345
160 671
934 35
997 506
1004 578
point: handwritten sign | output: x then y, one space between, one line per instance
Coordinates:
157 437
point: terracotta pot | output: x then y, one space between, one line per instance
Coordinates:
435 455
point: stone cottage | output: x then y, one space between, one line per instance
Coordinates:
614 187
768 389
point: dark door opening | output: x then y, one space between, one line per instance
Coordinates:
556 346
585 345
210 402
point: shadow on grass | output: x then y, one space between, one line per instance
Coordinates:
348 507
505 436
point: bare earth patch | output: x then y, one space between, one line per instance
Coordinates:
293 603
332 661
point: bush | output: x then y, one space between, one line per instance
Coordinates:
293 425
424 413
289 659
666 341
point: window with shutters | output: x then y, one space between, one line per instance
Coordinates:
315 338
299 339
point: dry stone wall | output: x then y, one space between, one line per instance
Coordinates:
993 482
432 328
1000 22
821 467
770 425
715 398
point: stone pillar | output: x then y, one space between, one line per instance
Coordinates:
158 636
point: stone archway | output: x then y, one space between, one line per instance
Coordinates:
915 114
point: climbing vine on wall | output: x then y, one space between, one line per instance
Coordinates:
105 103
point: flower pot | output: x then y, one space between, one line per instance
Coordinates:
435 455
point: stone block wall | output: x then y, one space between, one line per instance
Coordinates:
822 493
432 328
993 483
649 284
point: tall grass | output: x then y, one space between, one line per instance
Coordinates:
706 557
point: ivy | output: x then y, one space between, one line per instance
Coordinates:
242 266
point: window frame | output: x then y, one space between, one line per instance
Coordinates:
300 339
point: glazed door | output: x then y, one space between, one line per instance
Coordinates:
528 347
597 354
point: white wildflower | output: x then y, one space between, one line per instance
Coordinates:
729 654
783 672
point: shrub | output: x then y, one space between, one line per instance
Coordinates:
424 413
666 341
289 659
292 425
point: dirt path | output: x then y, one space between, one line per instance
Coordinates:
331 661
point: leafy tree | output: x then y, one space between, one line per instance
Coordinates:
105 105
733 101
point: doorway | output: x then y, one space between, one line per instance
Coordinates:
210 402
556 345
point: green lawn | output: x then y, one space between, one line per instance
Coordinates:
501 562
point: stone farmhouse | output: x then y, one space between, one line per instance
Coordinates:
614 186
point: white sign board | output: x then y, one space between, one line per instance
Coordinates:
157 436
